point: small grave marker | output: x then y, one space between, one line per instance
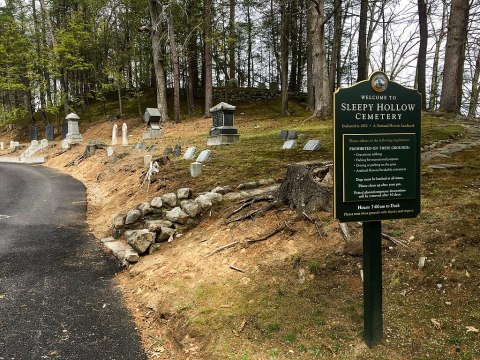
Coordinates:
33 133
289 144
147 159
44 143
109 151
2 145
114 134
204 156
64 130
168 150
65 145
190 153
283 134
177 151
292 134
124 135
195 169
312 145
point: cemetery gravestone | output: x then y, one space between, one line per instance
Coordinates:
2 145
190 153
65 145
292 134
177 151
73 135
223 131
312 145
195 169
33 133
44 143
153 119
109 151
147 159
124 135
289 144
114 134
204 156
49 131
64 130
283 134
167 151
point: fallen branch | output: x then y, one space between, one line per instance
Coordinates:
250 201
243 217
90 149
236 268
271 233
224 247
320 233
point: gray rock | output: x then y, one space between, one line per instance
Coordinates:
132 217
157 225
156 202
165 234
122 251
107 239
153 248
184 193
170 199
191 207
145 208
118 221
204 202
215 198
219 190
140 240
176 215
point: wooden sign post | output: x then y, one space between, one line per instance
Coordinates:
377 172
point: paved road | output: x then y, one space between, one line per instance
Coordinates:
57 294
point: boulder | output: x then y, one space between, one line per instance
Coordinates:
145 208
184 193
153 248
177 215
118 225
156 202
122 251
215 198
204 202
165 234
156 225
140 240
132 217
191 207
170 199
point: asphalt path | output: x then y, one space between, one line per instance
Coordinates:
58 299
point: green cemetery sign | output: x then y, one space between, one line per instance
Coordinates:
377 151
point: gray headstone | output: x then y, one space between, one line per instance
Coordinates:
140 146
312 145
195 169
33 133
49 131
177 151
109 151
190 153
204 156
292 134
167 151
289 144
283 134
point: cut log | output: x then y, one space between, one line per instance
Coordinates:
308 187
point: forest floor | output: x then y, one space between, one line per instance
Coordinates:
296 296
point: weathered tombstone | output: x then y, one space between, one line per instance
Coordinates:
65 144
312 145
124 135
283 134
190 153
16 145
12 144
377 126
292 134
49 132
33 133
44 143
204 156
109 151
223 131
140 146
114 134
289 144
195 169
153 119
73 135
64 130
168 150
177 150
147 159
2 145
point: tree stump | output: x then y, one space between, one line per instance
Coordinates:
308 187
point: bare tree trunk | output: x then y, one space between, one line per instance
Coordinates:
432 104
208 57
294 35
176 70
362 42
451 97
310 88
155 11
337 44
422 52
284 58
249 47
472 110
232 41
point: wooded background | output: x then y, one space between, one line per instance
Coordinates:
58 55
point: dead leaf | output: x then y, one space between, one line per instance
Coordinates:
471 329
436 324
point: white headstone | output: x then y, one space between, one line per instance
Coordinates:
16 145
195 169
109 151
147 159
34 142
44 142
12 144
124 135
114 134
312 145
65 144
190 153
289 144
204 156
2 145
